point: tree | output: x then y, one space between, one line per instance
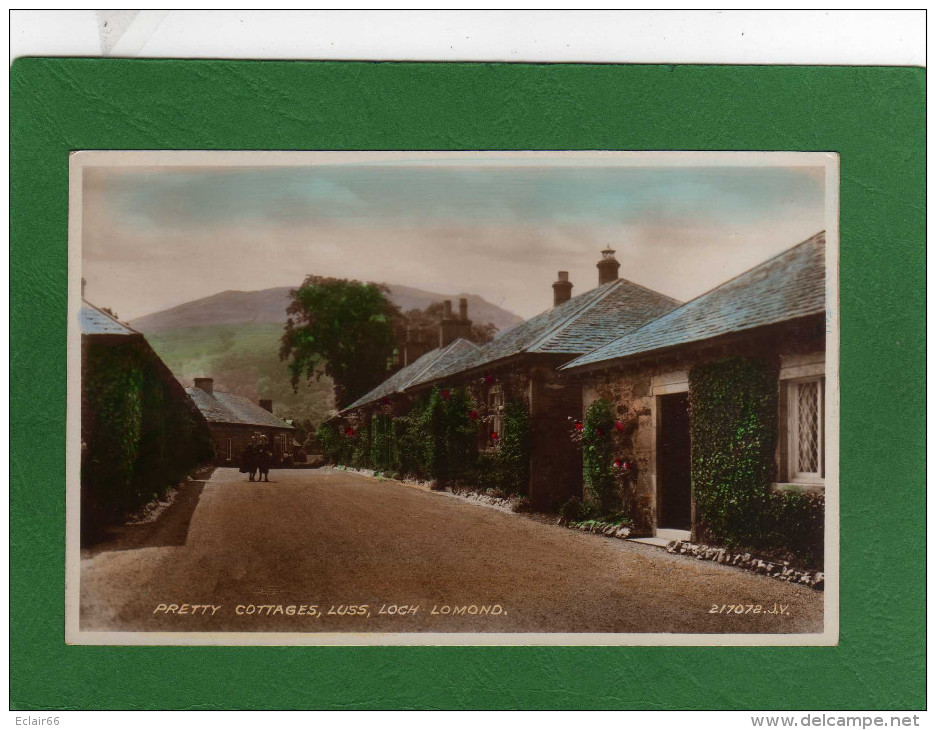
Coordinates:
343 329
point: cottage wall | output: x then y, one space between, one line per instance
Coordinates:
634 390
230 439
556 463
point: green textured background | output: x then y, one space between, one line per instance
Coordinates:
874 117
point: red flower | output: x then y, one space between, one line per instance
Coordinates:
488 379
579 425
385 400
473 415
618 426
599 431
494 435
349 431
618 463
446 394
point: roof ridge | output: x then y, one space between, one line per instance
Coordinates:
444 351
738 276
675 312
568 320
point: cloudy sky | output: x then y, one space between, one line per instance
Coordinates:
501 227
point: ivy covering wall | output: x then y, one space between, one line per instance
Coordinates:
733 410
601 484
437 440
140 432
734 426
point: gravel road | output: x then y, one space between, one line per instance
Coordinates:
308 550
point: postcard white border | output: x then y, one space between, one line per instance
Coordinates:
205 158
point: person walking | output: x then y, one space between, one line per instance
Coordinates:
249 458
264 458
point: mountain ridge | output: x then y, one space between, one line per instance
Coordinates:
234 306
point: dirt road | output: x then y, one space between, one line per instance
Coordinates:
308 550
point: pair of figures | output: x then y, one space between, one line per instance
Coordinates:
256 458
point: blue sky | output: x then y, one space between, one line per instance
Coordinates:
154 237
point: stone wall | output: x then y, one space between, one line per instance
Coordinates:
632 390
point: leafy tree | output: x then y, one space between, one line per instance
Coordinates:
343 329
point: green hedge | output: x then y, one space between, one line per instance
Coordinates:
793 522
140 433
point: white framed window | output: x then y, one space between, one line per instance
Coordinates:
805 399
494 424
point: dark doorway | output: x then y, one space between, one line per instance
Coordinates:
674 467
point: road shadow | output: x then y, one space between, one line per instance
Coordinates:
170 528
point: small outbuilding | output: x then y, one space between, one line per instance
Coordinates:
233 419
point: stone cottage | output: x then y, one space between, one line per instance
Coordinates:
776 312
233 419
522 363
140 432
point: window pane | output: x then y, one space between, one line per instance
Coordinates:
807 395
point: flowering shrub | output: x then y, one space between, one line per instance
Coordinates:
598 457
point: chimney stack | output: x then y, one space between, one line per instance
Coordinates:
266 404
418 342
608 267
205 384
450 328
562 289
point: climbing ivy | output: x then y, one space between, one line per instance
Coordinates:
512 457
381 435
140 433
601 482
733 408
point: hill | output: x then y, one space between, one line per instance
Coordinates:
244 359
269 305
233 337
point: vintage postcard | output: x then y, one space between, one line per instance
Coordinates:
444 398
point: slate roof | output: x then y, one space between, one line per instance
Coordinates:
93 321
420 370
788 286
579 325
455 356
221 407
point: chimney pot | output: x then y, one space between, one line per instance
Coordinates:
463 308
266 404
608 267
205 384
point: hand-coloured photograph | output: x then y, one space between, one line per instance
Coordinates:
443 398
